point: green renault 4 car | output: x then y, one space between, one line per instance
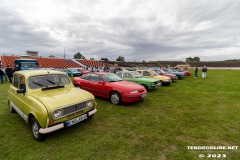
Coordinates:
133 76
47 100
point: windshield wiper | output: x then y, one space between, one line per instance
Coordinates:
54 83
39 84
112 81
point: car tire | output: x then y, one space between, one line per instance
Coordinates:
115 98
177 77
35 130
11 110
145 86
78 86
90 117
160 83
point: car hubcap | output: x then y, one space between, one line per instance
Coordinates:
160 83
35 129
115 99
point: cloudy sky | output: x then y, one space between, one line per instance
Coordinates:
135 29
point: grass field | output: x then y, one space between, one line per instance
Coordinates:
190 112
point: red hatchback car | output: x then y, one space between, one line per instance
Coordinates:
111 86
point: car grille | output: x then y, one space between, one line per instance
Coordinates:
74 108
141 90
71 109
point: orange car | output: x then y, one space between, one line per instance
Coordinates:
164 80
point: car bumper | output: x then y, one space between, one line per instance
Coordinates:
61 125
167 81
133 98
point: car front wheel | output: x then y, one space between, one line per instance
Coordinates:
115 98
146 87
35 130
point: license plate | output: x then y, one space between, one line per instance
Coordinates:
76 120
144 95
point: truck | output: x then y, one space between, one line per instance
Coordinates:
25 64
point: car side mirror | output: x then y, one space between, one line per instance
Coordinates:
101 82
19 91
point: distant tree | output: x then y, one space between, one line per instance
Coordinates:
195 59
120 58
78 55
104 59
51 56
144 61
92 59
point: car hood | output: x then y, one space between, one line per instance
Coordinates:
145 79
161 77
168 74
56 98
127 85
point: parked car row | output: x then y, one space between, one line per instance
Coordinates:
124 86
48 100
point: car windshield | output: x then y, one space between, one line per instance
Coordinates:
162 71
50 80
136 74
154 73
28 65
111 77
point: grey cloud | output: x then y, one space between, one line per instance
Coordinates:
129 35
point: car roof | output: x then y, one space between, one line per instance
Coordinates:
99 73
28 73
126 71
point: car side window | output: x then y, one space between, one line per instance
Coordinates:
16 80
22 83
86 76
95 78
128 75
146 73
139 72
120 75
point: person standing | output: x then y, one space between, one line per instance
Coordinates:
196 72
204 72
9 73
1 75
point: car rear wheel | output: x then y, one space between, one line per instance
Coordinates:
35 130
115 98
78 86
11 110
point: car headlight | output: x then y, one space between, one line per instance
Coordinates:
57 114
132 92
152 83
89 104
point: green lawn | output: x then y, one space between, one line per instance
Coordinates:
190 112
